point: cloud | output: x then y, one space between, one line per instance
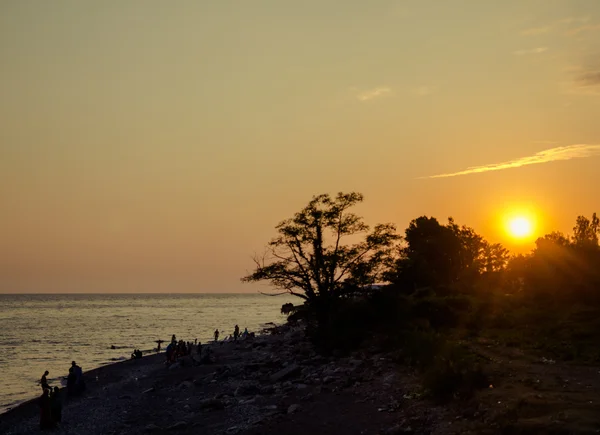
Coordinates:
582 29
535 31
550 155
374 93
423 91
537 50
590 78
571 20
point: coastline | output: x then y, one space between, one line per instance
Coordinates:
276 383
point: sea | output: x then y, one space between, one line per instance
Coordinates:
46 332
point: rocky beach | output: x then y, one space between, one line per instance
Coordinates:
276 383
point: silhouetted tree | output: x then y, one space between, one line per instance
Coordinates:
585 232
311 259
441 255
495 257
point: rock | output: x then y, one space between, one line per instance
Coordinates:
246 389
301 386
152 428
212 404
175 366
125 397
267 389
290 370
293 408
178 426
186 384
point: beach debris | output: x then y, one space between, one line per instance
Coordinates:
290 370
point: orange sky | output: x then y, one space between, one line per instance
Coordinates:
153 147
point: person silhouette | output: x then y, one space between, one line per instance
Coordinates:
44 381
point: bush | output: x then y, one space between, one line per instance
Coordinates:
454 372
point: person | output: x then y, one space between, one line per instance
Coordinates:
245 334
46 421
44 381
56 406
158 347
170 353
216 335
236 333
174 339
78 372
71 382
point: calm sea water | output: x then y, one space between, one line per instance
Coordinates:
47 332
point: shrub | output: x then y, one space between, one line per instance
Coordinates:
454 372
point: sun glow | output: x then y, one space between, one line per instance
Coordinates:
520 227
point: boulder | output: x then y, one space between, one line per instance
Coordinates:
246 388
186 384
293 408
288 371
152 428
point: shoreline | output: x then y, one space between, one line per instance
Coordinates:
276 383
107 364
107 370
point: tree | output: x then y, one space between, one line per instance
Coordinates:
495 257
440 255
585 232
310 258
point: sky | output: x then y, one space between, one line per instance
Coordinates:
151 146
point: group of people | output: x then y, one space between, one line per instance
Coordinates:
136 354
235 336
177 349
51 400
50 408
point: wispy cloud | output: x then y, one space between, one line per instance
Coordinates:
575 31
535 31
590 78
373 93
550 155
537 50
572 20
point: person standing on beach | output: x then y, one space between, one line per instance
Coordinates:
56 405
216 335
236 333
46 421
44 381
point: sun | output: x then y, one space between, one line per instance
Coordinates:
520 227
